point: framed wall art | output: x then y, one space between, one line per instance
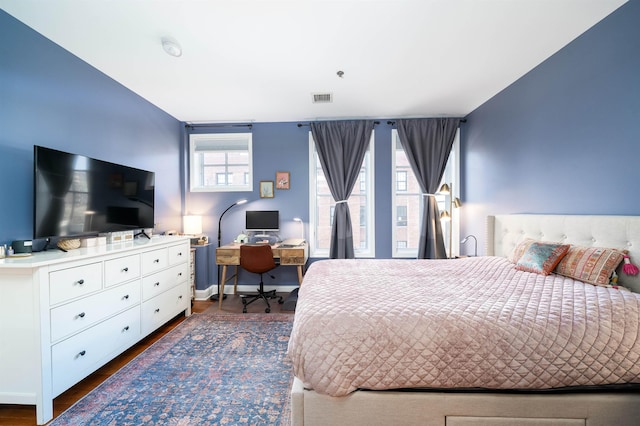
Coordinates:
282 180
266 189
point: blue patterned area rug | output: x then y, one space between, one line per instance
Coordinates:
211 369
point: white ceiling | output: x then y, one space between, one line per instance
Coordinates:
261 60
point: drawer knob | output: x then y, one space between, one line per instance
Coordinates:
179 274
80 315
125 297
157 310
126 328
180 297
180 254
125 269
80 281
156 261
157 284
82 353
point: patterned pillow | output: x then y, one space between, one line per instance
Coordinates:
593 265
542 258
519 250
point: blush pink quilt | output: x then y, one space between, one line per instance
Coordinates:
464 323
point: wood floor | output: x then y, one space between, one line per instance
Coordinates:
25 415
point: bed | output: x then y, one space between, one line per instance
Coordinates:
473 341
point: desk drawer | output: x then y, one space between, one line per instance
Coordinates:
292 256
228 256
71 283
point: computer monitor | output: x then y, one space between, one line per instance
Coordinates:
262 220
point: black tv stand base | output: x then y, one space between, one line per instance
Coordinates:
143 234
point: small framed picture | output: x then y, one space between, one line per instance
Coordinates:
282 180
266 189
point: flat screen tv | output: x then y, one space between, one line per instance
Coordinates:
262 220
76 195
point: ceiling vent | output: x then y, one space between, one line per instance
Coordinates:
322 98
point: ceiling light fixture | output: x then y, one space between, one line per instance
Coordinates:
171 47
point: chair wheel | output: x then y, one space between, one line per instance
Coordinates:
244 310
280 301
267 310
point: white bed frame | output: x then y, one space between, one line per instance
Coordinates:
495 409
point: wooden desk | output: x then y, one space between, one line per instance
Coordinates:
229 255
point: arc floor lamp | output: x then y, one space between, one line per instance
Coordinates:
217 296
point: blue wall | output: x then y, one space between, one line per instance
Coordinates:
565 138
285 147
51 98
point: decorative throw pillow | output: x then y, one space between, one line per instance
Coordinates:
542 258
519 249
593 265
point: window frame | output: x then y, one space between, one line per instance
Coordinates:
368 181
196 169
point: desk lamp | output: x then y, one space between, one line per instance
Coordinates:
216 297
297 219
475 245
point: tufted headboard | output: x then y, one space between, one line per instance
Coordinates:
621 232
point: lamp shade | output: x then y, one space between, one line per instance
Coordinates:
192 224
444 189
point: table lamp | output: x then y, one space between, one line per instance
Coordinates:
192 225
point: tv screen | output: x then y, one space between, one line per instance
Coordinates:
76 195
262 220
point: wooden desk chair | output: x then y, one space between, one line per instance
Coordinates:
258 258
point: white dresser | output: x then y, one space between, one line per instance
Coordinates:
64 315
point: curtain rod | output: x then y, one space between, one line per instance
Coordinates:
393 123
309 124
200 126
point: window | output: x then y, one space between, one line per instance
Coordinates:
401 181
409 201
401 216
221 162
322 205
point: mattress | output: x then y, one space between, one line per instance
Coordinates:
470 323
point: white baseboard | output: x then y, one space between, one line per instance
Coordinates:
242 288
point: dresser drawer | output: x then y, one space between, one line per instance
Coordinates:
68 284
159 282
122 269
77 315
179 254
76 357
163 307
155 260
